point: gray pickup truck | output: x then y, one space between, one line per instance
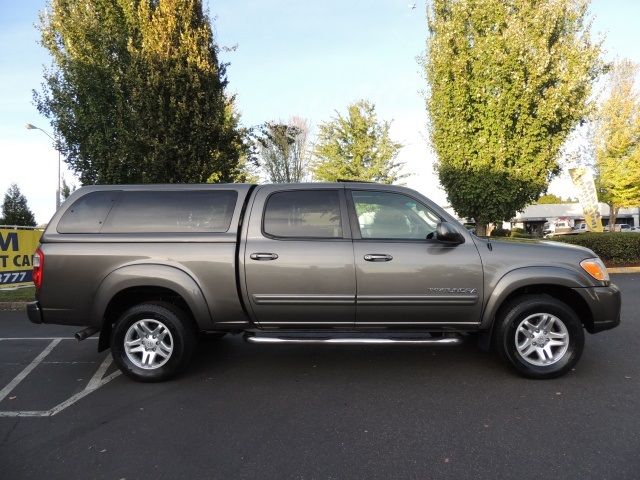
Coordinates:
151 267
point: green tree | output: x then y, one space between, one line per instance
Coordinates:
550 198
66 190
508 81
617 141
283 150
137 93
15 210
356 147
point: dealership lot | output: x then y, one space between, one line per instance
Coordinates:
52 371
249 411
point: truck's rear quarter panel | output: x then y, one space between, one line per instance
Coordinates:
75 273
76 265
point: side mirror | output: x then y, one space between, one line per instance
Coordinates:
447 233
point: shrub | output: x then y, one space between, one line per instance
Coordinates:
519 233
500 232
613 248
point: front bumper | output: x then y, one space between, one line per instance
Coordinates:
605 303
34 312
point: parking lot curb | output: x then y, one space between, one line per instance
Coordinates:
624 270
15 306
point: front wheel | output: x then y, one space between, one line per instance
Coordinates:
151 342
539 336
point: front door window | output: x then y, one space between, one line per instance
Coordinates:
383 215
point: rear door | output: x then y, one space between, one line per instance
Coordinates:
406 278
298 258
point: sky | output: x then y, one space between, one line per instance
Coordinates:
292 58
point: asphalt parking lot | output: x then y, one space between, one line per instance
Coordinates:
318 412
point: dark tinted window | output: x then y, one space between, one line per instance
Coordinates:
303 213
88 213
172 211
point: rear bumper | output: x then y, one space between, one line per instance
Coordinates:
34 312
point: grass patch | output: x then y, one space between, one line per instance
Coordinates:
25 294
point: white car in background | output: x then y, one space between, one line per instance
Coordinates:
580 228
620 227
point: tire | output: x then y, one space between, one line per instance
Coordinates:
538 336
152 342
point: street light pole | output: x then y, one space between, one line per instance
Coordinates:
57 142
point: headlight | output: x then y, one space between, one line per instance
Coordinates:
595 268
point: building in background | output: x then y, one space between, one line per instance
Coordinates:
534 217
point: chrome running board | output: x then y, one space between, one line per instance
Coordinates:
447 339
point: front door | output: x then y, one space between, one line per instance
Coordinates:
298 260
405 276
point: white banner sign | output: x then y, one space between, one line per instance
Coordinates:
583 180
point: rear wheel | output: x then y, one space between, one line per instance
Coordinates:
151 342
539 336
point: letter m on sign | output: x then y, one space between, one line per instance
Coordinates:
10 240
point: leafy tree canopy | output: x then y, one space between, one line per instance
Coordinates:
15 210
356 147
550 198
508 81
617 140
136 92
283 150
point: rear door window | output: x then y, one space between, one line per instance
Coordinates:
303 214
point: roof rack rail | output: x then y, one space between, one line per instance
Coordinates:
342 180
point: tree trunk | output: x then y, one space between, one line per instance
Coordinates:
481 230
613 216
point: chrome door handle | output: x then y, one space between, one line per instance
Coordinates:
377 257
263 256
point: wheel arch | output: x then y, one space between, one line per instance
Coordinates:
135 284
560 283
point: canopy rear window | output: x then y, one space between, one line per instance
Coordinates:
151 212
